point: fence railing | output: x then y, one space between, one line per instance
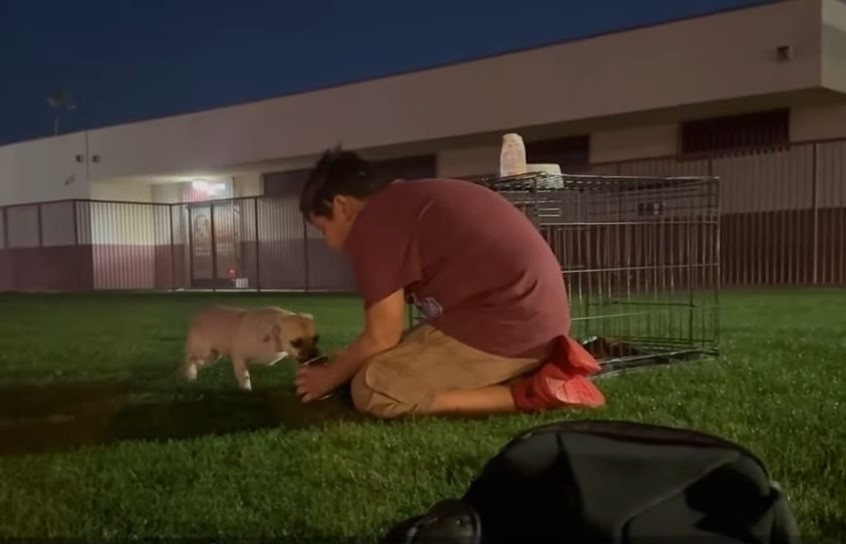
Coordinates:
91 245
783 211
783 222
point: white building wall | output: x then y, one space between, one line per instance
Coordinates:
470 98
166 193
479 97
44 169
123 191
833 41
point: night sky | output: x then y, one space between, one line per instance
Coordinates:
127 60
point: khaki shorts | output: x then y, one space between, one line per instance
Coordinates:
404 379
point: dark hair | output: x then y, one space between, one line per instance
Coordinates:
337 172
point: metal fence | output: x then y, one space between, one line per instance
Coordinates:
783 211
639 256
245 243
783 222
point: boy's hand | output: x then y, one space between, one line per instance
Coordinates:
315 382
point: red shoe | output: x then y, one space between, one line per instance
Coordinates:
562 380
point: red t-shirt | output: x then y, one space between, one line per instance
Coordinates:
474 264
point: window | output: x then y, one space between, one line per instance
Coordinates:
418 166
571 152
761 131
284 184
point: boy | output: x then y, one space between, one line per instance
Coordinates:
495 334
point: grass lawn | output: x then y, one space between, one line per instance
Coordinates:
167 459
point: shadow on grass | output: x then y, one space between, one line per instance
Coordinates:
63 417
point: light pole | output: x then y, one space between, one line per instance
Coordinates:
61 102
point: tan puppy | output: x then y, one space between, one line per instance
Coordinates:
258 336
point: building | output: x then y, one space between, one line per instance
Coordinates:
761 105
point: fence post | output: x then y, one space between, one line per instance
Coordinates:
5 227
189 214
172 248
717 250
40 226
213 246
258 261
14 283
816 213
79 279
307 272
74 220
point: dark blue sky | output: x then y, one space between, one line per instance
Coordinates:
127 60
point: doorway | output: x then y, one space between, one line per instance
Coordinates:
214 233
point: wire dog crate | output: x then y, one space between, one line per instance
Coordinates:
640 256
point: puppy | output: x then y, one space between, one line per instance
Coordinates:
256 336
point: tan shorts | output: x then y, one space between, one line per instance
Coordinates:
404 379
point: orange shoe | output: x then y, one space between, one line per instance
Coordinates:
562 380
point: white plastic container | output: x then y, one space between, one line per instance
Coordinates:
546 168
512 156
550 177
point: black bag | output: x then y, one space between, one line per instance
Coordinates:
612 482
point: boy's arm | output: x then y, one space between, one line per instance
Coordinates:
384 325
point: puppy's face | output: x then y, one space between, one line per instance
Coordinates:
305 348
297 336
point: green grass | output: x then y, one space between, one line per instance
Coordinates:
276 468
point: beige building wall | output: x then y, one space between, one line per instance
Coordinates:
43 170
435 106
577 83
122 191
833 40
167 193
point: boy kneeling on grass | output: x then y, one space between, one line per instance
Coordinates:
495 337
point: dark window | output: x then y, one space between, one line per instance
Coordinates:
284 184
761 131
570 153
419 166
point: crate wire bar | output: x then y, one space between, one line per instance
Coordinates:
640 256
